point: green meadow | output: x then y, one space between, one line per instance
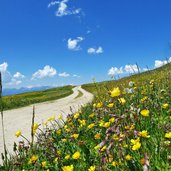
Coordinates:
25 99
126 128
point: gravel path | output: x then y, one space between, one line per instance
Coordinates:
20 119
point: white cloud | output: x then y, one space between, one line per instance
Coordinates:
6 76
53 3
145 69
47 71
3 67
14 82
114 70
18 75
73 43
159 63
95 51
64 74
131 68
63 9
77 76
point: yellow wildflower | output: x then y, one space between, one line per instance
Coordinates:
145 112
92 168
122 101
82 122
18 134
115 137
44 164
99 105
97 136
75 136
166 105
68 168
91 115
67 157
60 117
136 144
106 124
97 147
112 120
110 105
76 115
33 159
76 155
128 157
104 148
168 135
114 163
58 131
45 123
144 134
91 126
115 92
144 98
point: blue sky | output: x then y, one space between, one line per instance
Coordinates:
70 42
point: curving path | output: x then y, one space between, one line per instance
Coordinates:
20 119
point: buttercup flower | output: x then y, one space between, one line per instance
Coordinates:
92 168
43 164
67 157
168 135
115 92
91 126
145 112
122 101
110 105
75 136
144 134
128 157
68 168
166 105
136 144
18 134
97 136
76 155
33 159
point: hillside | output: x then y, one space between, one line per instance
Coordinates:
127 127
157 74
25 99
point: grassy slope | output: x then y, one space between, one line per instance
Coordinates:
105 136
20 100
103 87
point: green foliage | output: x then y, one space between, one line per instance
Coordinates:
127 127
20 100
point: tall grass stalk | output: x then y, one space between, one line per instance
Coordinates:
2 122
32 126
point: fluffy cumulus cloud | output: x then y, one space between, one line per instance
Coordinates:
115 71
159 63
131 68
123 70
63 9
7 78
64 74
47 71
95 50
73 44
18 75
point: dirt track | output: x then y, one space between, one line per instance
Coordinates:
20 119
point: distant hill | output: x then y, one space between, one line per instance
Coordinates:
13 91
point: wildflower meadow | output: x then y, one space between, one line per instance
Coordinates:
126 128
